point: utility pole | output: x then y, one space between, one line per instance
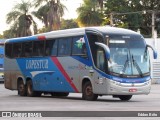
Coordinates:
154 32
111 19
153 23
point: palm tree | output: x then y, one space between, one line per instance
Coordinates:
21 20
41 14
50 13
101 2
89 14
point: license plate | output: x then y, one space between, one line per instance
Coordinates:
132 90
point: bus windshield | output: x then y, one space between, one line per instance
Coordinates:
129 56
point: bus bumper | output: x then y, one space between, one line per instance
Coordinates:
117 88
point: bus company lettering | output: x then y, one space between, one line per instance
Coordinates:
36 64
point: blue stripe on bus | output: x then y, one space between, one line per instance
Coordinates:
89 55
23 39
131 80
118 79
124 80
50 79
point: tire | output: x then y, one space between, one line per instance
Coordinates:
87 92
22 88
125 97
60 94
30 91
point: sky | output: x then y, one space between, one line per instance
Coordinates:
7 5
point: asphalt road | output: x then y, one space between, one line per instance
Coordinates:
10 101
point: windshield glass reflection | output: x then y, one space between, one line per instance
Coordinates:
128 55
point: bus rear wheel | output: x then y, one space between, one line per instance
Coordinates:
30 91
22 88
87 92
125 97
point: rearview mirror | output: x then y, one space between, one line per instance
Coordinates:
154 51
106 49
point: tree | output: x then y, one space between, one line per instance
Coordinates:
101 2
89 14
50 13
41 14
67 24
121 14
9 34
1 36
149 6
21 20
133 14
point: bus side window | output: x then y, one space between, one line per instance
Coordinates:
84 49
62 49
54 48
8 50
27 49
100 60
38 48
51 47
64 46
97 52
79 46
17 50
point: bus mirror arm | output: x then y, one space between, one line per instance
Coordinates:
106 49
154 51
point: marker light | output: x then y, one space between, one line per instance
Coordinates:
41 37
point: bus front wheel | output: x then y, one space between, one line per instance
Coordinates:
125 97
87 92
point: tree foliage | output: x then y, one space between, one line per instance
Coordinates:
1 36
131 14
50 13
20 20
134 14
8 34
67 24
89 13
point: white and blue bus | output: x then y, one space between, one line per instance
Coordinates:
94 61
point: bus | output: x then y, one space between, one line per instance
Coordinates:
1 59
94 61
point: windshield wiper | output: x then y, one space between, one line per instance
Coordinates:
125 65
137 66
133 62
